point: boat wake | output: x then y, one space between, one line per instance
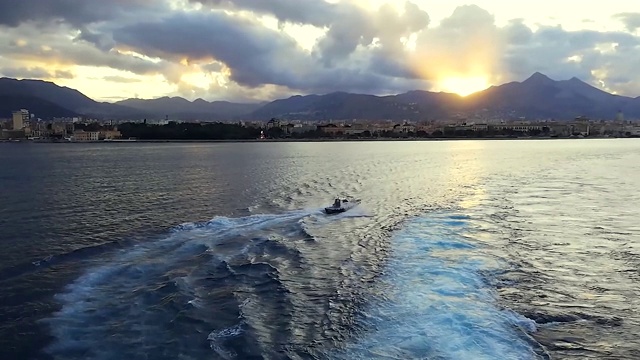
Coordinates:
435 301
264 286
254 286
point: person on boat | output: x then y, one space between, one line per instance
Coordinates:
337 203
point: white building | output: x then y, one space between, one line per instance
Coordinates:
20 119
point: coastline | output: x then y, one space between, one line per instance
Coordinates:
304 140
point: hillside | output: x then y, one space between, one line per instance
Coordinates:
39 107
538 97
64 97
199 109
542 97
338 105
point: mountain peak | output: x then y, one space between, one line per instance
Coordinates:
577 80
538 79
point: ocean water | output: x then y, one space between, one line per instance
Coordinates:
458 250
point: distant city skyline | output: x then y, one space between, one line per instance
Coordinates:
254 50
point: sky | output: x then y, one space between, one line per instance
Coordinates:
261 50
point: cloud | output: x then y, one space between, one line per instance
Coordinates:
630 20
75 12
35 73
26 73
517 33
120 79
359 27
468 43
258 56
232 49
315 12
50 44
254 54
592 56
63 74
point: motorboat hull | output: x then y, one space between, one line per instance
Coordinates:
346 205
334 210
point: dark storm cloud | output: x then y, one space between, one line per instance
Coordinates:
348 25
563 54
102 41
360 51
79 55
254 54
46 26
50 44
315 12
76 12
382 63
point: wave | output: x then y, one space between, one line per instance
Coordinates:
435 302
267 286
219 223
254 286
173 282
30 267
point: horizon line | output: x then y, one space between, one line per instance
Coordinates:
256 102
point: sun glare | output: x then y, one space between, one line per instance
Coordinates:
198 79
464 86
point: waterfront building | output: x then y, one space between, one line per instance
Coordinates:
20 119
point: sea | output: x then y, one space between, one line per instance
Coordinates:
489 249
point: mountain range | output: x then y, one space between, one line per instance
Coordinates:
180 108
538 97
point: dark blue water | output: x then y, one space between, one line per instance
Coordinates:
459 250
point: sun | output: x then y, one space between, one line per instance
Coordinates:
464 86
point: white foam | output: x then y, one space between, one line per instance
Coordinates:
114 291
438 306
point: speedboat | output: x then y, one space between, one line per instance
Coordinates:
341 207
